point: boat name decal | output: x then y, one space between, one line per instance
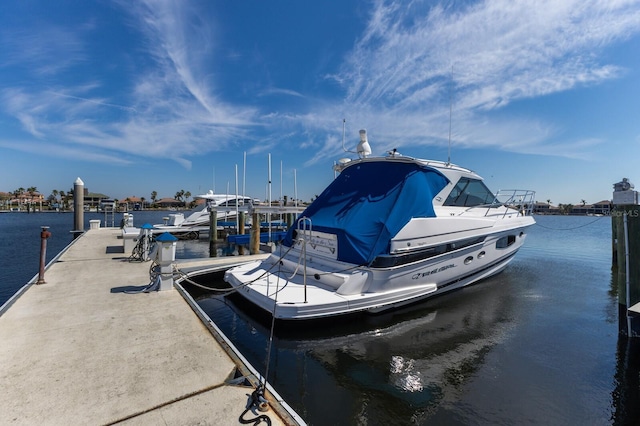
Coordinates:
433 271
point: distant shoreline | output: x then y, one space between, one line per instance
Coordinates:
93 211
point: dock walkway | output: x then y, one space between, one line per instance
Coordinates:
79 350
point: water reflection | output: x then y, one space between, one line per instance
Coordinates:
537 344
382 369
626 394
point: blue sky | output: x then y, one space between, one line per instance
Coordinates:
167 95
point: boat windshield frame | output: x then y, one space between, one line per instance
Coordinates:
472 192
519 201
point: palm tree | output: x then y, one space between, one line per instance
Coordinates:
32 192
187 195
179 195
70 196
5 198
17 193
154 196
583 202
142 200
53 198
62 199
565 209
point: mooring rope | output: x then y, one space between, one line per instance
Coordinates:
138 252
572 228
259 402
154 277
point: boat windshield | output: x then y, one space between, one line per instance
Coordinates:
470 193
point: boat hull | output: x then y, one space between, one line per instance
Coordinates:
280 286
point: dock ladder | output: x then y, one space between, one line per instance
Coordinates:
109 216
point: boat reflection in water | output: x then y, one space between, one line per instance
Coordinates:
536 344
393 368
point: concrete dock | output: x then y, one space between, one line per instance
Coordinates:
80 350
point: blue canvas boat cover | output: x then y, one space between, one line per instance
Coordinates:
368 204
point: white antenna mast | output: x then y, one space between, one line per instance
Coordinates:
295 187
450 113
344 123
237 212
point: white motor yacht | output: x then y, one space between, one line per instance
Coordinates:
200 217
387 232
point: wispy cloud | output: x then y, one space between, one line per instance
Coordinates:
180 41
489 54
493 51
171 112
411 60
278 91
96 101
42 50
66 151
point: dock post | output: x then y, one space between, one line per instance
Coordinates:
44 234
626 233
240 231
78 208
254 245
213 231
166 257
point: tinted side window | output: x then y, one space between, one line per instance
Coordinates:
469 193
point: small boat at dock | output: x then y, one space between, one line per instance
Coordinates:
387 232
226 206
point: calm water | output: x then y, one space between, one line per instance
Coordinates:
537 344
20 243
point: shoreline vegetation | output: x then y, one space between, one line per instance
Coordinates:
30 200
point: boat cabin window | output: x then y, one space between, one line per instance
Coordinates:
231 203
469 193
505 242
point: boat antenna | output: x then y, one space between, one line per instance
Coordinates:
244 175
344 124
450 114
344 148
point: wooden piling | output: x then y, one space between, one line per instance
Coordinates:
626 234
44 234
241 231
254 247
213 232
78 208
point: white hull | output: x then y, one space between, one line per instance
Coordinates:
346 290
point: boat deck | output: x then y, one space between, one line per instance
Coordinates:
80 350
